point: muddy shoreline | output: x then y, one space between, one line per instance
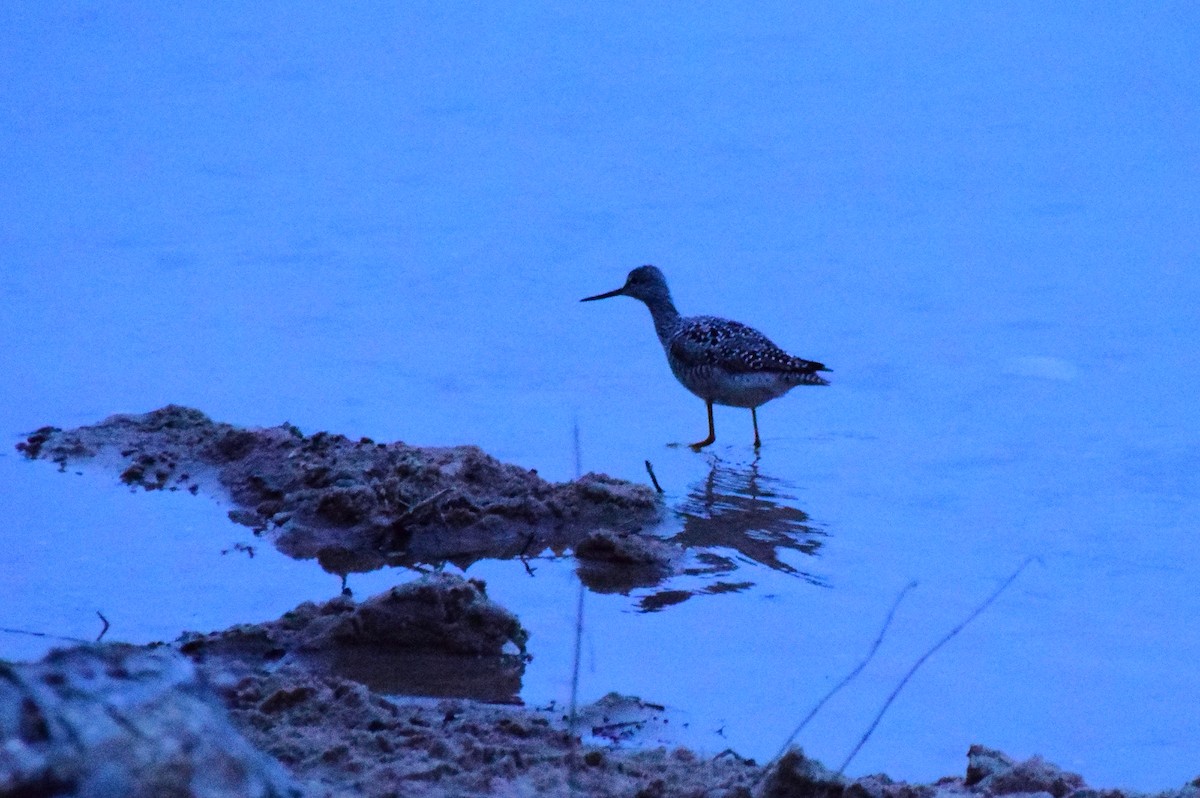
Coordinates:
413 691
245 712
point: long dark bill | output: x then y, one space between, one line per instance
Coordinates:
618 292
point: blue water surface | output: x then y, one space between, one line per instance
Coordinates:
377 219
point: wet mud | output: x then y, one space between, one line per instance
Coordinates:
354 505
358 505
114 719
413 691
438 636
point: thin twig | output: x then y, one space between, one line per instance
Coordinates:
428 500
103 631
921 661
654 479
849 678
578 448
572 717
6 630
522 555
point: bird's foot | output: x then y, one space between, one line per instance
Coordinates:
698 445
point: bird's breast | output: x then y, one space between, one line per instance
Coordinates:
715 384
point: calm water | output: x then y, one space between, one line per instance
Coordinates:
379 222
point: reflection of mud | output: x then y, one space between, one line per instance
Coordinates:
496 680
738 509
439 636
355 505
666 598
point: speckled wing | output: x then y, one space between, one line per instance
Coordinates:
732 346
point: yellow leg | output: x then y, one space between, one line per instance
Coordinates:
754 415
712 432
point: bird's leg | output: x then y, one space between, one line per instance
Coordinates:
712 433
754 415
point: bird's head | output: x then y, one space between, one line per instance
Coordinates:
645 283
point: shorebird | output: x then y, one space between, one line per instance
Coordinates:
723 362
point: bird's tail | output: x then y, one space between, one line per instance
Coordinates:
811 379
805 372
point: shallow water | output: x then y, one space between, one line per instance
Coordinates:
379 222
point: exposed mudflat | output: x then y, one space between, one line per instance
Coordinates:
114 719
409 692
354 505
358 505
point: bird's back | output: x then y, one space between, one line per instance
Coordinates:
730 363
733 347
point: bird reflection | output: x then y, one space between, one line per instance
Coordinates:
738 509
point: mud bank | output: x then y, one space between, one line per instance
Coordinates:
113 719
354 505
323 701
439 636
358 505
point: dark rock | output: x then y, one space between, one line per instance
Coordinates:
995 773
797 776
623 548
31 447
983 762
115 720
612 561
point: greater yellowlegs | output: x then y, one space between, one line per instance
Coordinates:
723 362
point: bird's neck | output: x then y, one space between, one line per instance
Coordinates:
666 317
